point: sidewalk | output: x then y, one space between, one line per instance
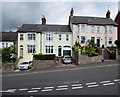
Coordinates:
67 67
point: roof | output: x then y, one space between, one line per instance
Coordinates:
91 20
8 36
43 28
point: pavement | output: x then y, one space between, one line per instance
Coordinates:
64 67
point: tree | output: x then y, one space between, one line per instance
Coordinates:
7 54
117 42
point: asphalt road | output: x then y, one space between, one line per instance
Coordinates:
96 80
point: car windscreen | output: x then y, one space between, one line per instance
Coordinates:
25 63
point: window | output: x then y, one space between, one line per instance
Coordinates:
6 44
82 28
110 40
21 36
110 29
82 39
49 36
105 40
3 45
60 37
92 29
31 36
98 29
49 48
67 37
31 48
93 38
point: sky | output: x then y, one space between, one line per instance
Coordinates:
17 13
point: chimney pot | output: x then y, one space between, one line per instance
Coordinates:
71 12
43 20
108 14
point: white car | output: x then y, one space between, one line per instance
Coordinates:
67 59
25 65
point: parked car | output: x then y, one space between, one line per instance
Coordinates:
67 59
25 65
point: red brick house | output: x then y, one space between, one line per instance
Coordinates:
117 20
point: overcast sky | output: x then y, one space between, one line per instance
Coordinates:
17 13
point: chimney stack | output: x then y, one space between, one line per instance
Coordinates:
43 20
108 14
71 12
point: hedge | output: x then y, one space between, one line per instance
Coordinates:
44 57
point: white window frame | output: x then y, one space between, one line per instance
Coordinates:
98 29
83 28
60 36
82 40
49 36
21 37
92 29
110 40
67 37
110 29
31 36
49 49
31 49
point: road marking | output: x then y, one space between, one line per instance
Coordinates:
47 90
48 87
93 86
116 80
77 87
63 86
61 89
3 91
90 83
36 88
108 84
11 90
23 89
104 81
33 91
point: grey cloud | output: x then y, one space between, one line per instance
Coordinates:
17 13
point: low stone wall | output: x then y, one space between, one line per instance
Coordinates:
8 67
83 59
38 64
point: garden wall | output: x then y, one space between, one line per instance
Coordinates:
8 67
39 64
83 59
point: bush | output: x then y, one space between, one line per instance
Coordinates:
117 42
44 57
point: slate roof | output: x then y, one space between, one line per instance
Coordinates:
91 20
43 28
8 36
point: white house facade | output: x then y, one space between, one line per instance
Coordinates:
45 39
59 39
102 30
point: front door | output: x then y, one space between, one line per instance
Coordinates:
59 51
98 41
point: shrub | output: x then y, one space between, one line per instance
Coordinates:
44 57
117 42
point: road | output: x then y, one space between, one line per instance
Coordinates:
95 80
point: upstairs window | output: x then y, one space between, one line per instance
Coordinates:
49 36
82 28
98 29
93 29
21 36
60 37
110 29
31 36
67 37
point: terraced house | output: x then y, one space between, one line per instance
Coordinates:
45 39
59 39
103 30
